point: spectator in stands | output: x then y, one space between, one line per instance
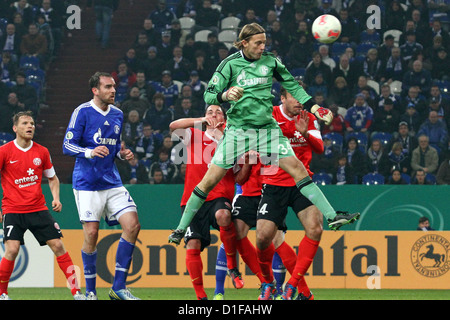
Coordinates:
441 65
23 8
394 67
157 177
158 115
161 16
340 93
26 93
54 18
141 46
280 40
370 35
419 55
233 8
185 110
378 159
163 162
359 117
197 87
168 88
424 224
343 172
372 66
406 138
146 91
165 47
424 157
324 51
349 32
431 52
8 68
134 102
187 8
324 162
356 158
418 100
349 71
436 30
204 67
153 35
189 48
396 177
417 77
207 18
35 44
385 93
385 49
177 34
148 144
443 173
361 85
104 10
249 17
318 85
435 92
124 79
412 118
198 103
326 8
316 66
395 16
420 178
132 129
179 66
45 30
4 91
399 159
435 105
7 110
386 119
152 65
410 46
436 130
10 42
133 171
421 27
21 28
180 178
299 52
132 61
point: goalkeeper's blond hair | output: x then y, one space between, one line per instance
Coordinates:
247 32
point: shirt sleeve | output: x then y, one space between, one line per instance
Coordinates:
74 134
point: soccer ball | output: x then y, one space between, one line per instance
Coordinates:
326 28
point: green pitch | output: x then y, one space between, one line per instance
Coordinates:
232 294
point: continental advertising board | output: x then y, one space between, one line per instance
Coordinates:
345 259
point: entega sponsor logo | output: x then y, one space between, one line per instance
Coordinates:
26 180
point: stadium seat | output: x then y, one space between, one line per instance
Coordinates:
338 48
373 178
396 87
431 178
337 140
7 136
321 178
298 72
3 23
395 33
374 85
444 86
29 62
384 137
202 35
230 23
363 48
227 36
186 23
361 138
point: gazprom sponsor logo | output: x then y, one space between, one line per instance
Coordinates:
243 82
100 140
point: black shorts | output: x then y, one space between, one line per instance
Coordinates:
276 200
204 219
41 224
245 209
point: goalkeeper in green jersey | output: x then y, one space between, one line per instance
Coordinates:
245 80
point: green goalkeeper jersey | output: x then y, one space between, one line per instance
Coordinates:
254 109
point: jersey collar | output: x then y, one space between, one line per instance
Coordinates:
23 149
284 114
93 105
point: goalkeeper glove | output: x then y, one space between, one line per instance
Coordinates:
323 114
234 94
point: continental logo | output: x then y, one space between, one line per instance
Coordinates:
430 255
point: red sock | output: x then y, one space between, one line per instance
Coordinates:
265 258
306 251
66 265
228 238
195 268
6 269
288 256
248 254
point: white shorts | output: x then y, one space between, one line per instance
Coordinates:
109 204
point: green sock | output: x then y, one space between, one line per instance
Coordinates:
312 192
194 203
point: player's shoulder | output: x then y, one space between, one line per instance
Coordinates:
115 109
232 57
7 146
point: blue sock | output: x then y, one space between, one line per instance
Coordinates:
279 271
90 270
123 262
221 270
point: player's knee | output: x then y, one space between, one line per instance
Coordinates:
263 240
223 218
314 232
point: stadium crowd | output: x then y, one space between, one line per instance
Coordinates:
387 86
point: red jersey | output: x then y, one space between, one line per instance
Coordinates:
200 148
252 187
303 147
21 174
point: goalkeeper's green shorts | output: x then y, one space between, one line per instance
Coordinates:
268 141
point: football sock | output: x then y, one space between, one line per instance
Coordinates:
194 203
287 255
123 262
312 192
265 257
66 265
279 272
248 254
221 270
6 269
90 270
194 265
306 251
228 238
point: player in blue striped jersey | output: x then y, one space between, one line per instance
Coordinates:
93 138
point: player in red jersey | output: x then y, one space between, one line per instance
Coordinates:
279 192
23 163
216 211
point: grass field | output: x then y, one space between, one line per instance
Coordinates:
243 294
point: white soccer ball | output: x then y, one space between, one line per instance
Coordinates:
326 28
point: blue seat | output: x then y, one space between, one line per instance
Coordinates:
7 136
373 178
431 178
321 178
337 140
298 72
384 137
29 62
338 48
361 138
363 48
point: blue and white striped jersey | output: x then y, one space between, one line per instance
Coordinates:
90 127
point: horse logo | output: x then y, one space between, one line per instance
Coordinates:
430 255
